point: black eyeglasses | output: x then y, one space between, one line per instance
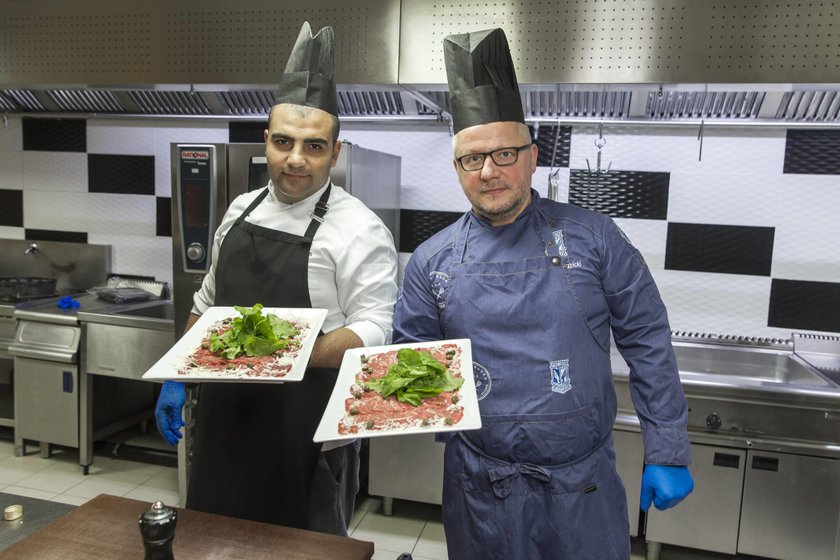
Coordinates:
501 157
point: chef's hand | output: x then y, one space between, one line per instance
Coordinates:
168 411
665 485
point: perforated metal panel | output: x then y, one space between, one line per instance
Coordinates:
190 41
609 41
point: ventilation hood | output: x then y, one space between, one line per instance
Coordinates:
665 61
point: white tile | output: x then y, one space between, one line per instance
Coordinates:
649 237
55 172
11 134
397 532
11 170
156 489
113 483
90 212
125 137
725 197
702 302
383 554
432 541
7 449
116 464
71 500
29 492
8 232
138 254
55 478
14 469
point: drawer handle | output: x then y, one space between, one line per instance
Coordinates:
765 463
67 381
726 460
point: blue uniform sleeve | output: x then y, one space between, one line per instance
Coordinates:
416 315
642 334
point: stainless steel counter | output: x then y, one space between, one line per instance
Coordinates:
57 352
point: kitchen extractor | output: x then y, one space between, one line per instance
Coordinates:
205 180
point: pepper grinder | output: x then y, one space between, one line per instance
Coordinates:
157 527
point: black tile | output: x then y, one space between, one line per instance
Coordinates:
163 217
55 135
248 131
717 248
52 235
121 174
546 143
416 226
812 152
621 194
796 304
11 208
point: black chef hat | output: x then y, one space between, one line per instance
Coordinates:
309 78
482 80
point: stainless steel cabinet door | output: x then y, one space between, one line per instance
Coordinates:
791 507
47 401
407 467
708 517
630 460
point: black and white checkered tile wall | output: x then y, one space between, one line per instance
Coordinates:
741 241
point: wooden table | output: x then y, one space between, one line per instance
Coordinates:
107 528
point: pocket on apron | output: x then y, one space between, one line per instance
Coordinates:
542 439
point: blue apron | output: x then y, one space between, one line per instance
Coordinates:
538 480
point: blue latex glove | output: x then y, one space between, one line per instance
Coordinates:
67 302
168 411
665 485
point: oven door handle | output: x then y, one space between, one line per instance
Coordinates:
21 351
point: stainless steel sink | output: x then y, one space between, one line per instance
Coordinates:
740 364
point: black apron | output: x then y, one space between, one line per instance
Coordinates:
253 453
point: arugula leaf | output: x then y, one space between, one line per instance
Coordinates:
416 376
253 334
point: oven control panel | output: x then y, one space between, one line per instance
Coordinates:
196 200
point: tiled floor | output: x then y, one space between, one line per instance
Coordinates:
417 528
413 527
59 478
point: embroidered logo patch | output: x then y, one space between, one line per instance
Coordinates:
560 379
482 380
561 243
440 285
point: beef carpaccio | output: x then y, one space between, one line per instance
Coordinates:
366 411
203 362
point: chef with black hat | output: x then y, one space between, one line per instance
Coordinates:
538 286
301 242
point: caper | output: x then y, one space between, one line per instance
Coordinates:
447 421
369 424
364 359
353 410
425 422
455 399
249 365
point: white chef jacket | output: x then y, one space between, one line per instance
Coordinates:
352 262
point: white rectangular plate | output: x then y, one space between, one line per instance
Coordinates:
351 365
179 355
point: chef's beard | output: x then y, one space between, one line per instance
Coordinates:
503 213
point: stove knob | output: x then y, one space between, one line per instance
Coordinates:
713 421
195 252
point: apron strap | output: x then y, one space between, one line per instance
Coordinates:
503 476
250 208
317 215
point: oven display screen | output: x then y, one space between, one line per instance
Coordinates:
196 209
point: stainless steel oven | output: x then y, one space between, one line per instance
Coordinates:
206 178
